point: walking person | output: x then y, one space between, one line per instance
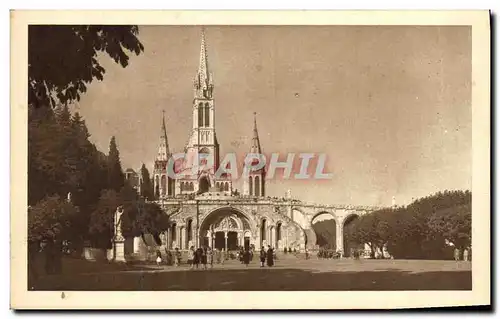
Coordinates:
270 257
457 254
191 257
262 256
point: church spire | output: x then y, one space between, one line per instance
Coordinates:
163 150
203 81
255 139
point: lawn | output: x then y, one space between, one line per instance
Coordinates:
289 274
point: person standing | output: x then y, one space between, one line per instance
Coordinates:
204 257
262 256
177 257
198 257
223 256
270 256
457 254
210 257
246 257
158 258
191 257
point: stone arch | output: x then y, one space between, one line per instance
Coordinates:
324 225
300 217
348 246
243 220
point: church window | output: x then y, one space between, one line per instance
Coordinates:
207 115
263 233
157 186
200 115
170 186
226 187
174 231
250 188
190 230
257 186
163 184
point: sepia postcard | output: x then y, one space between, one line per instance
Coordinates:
250 160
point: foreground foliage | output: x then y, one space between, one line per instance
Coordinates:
429 228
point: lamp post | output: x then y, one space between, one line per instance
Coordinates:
197 239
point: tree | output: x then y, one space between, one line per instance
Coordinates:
454 225
362 231
116 178
325 233
63 59
146 185
51 219
101 227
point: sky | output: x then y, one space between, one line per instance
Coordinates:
390 106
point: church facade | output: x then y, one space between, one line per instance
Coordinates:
206 209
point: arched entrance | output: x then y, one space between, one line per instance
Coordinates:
325 228
349 246
226 228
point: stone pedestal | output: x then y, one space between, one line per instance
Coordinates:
119 251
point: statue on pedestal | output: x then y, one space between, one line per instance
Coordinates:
118 224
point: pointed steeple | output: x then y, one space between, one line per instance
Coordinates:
255 139
163 150
203 81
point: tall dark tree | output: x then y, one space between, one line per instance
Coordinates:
62 59
147 191
116 178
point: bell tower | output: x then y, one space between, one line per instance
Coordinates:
163 184
202 149
254 184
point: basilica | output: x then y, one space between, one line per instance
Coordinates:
206 209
